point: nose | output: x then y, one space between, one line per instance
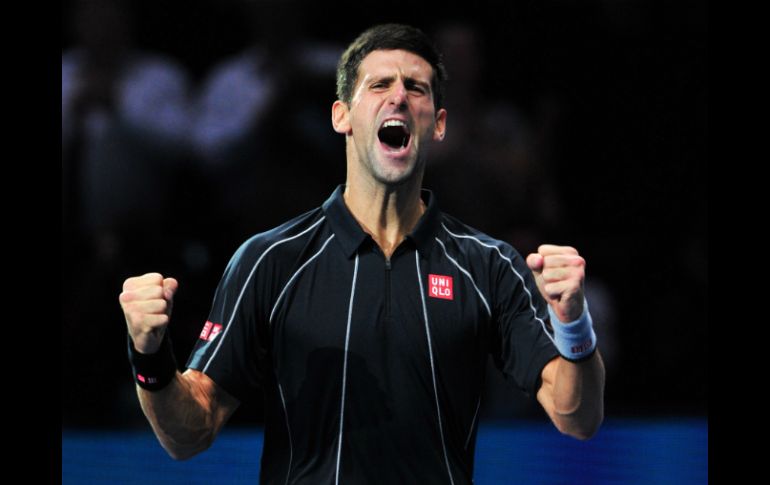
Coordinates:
398 95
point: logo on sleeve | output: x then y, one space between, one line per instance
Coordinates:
210 330
440 286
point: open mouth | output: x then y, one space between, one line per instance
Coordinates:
394 134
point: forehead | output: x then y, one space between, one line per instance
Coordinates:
393 63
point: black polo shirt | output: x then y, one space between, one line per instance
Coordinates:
372 369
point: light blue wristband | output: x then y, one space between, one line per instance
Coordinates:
574 340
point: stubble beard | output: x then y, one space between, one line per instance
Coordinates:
381 171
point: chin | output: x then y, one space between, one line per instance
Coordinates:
396 178
397 172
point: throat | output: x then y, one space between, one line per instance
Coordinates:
387 219
388 247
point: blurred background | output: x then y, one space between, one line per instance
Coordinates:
189 126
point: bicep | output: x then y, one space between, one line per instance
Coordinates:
521 345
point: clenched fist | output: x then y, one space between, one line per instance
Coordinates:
559 273
146 301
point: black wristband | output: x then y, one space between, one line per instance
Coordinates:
153 371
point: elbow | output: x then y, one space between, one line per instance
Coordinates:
180 452
182 455
584 429
585 434
179 456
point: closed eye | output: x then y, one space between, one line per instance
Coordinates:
379 85
416 87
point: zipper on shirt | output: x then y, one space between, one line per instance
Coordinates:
387 287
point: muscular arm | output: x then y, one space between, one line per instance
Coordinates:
189 411
573 395
187 414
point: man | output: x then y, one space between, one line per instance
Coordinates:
368 321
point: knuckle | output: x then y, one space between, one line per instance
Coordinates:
129 283
153 278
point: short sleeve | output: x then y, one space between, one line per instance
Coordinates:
521 345
231 347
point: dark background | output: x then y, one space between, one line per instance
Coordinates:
626 87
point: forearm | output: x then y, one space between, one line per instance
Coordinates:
186 411
179 417
578 396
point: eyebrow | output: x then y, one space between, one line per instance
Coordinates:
407 81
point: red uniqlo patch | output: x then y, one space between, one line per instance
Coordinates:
215 331
440 286
206 331
210 330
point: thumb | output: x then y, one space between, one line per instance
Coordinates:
170 286
535 263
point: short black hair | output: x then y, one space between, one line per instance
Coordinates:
389 37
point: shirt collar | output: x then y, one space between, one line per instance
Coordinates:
351 235
424 233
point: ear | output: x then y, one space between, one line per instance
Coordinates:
341 117
440 128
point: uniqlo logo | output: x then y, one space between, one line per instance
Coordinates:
440 286
215 330
210 330
206 331
147 380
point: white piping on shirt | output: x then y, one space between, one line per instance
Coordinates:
246 285
510 263
288 430
288 283
484 300
470 431
345 369
432 367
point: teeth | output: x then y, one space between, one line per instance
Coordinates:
394 123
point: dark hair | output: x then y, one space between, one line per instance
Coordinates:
389 37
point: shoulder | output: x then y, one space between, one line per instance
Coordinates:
474 244
281 241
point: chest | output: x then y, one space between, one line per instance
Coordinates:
391 309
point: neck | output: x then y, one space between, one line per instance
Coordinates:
386 213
